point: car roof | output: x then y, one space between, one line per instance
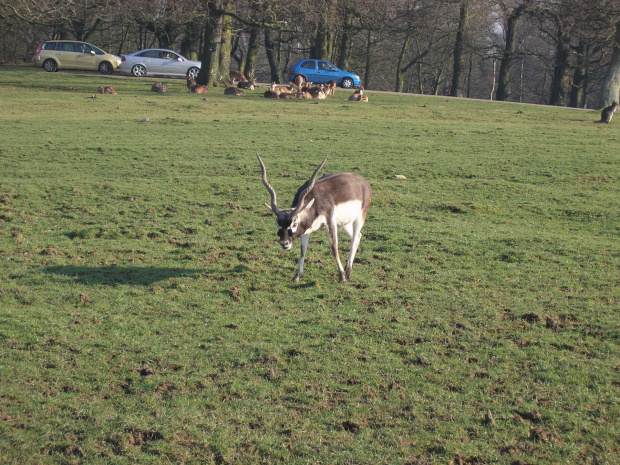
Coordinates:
158 49
67 40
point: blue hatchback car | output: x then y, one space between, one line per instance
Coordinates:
321 72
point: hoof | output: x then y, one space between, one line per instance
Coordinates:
297 278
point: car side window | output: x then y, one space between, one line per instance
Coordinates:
308 65
79 47
67 47
49 46
326 66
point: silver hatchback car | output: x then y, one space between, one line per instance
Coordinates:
158 62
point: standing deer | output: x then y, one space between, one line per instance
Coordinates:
338 200
298 82
331 87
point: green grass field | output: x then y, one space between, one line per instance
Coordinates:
147 313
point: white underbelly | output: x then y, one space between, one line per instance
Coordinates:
344 214
347 212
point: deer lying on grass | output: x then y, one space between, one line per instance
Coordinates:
334 201
358 96
249 84
197 88
272 92
107 90
233 91
160 87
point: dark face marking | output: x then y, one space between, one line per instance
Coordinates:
286 231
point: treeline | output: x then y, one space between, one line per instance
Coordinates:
558 52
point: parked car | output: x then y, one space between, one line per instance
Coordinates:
321 72
155 61
53 55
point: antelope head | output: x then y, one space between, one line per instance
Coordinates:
288 220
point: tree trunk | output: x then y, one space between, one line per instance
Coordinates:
503 85
271 57
577 88
225 49
253 45
345 44
559 82
212 40
191 41
400 73
322 42
611 86
368 62
459 48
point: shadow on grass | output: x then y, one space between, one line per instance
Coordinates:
112 275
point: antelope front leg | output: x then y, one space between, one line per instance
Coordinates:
332 235
300 267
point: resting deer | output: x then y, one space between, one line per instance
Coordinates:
160 87
334 201
359 96
197 88
272 92
287 95
233 91
249 84
608 113
107 90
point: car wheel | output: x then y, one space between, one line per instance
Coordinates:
193 73
347 83
105 67
138 71
50 66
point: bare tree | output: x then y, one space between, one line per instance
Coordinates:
512 14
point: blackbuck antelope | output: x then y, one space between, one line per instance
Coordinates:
338 200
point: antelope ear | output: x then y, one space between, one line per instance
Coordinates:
307 207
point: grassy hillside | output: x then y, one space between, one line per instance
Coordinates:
147 313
